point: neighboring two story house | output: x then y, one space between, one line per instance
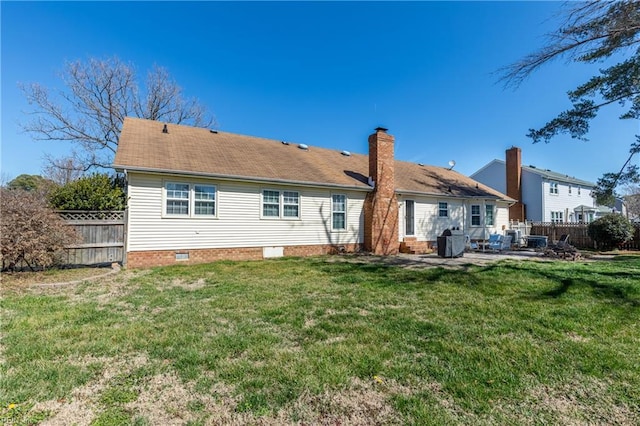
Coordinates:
543 195
197 195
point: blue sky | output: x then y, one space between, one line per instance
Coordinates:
324 74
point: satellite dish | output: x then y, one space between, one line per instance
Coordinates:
452 163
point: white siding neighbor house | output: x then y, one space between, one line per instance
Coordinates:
543 195
197 195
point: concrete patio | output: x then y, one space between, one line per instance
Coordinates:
477 258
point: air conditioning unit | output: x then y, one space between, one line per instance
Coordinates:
516 236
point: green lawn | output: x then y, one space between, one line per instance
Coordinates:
330 340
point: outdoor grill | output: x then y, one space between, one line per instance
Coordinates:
451 243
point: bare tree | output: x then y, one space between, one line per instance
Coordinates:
63 170
97 96
591 32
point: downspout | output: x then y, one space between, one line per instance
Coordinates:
484 222
125 247
544 211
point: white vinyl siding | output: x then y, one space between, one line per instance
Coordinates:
428 225
238 217
562 202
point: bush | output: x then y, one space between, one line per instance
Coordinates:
611 231
97 192
31 232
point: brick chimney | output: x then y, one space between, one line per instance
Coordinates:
381 204
514 183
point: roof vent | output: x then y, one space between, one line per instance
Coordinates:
532 166
420 164
213 131
346 153
303 146
164 129
285 143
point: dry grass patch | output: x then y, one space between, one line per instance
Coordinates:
83 405
580 402
23 279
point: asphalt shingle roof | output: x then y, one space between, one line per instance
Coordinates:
143 146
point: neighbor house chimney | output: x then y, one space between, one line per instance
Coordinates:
381 204
514 183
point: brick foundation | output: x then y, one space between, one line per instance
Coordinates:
152 258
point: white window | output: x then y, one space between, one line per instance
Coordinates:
280 204
291 204
475 215
270 203
570 189
205 200
488 215
557 217
338 212
443 209
553 187
189 200
578 190
177 199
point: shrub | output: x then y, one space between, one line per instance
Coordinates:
31 232
611 231
97 192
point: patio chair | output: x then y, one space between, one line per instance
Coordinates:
470 245
499 242
495 241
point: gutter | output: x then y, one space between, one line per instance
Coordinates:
464 197
248 179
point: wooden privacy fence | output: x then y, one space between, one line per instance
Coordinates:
103 237
578 235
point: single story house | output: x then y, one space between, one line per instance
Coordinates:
198 195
